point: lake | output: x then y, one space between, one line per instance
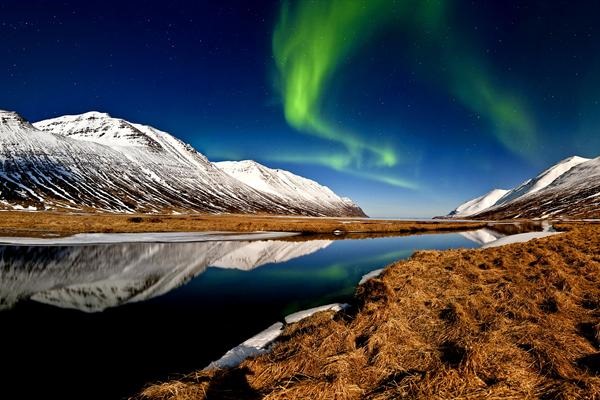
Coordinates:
100 321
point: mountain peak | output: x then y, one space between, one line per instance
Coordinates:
92 114
99 127
242 165
12 119
576 159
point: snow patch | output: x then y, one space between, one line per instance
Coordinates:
259 343
300 315
371 275
252 347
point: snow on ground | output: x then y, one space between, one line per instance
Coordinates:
370 275
250 348
519 238
148 237
300 315
259 343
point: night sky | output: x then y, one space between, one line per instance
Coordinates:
409 107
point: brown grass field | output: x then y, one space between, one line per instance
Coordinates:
61 223
515 322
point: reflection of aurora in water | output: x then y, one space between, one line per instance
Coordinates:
343 274
167 308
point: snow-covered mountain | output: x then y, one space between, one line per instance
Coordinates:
542 180
288 188
94 162
571 188
93 278
478 204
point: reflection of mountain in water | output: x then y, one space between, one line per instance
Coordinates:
482 236
93 278
499 230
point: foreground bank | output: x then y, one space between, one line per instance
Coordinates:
518 321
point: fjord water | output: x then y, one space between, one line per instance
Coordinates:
98 322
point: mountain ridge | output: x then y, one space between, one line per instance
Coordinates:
94 162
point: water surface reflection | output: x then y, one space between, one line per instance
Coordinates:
97 322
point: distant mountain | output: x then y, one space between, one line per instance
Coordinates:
478 204
541 181
568 189
288 188
94 162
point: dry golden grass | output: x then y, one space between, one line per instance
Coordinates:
60 223
516 322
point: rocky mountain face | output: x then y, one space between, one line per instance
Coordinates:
568 189
94 162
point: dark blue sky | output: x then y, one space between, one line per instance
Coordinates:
483 96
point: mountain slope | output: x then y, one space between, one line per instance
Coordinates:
288 188
570 189
575 194
478 204
542 180
93 162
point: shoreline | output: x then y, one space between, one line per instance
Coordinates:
521 320
56 224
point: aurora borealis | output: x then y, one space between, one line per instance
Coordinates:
312 39
407 106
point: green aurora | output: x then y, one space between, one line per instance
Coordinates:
314 40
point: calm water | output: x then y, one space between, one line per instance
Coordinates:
98 322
